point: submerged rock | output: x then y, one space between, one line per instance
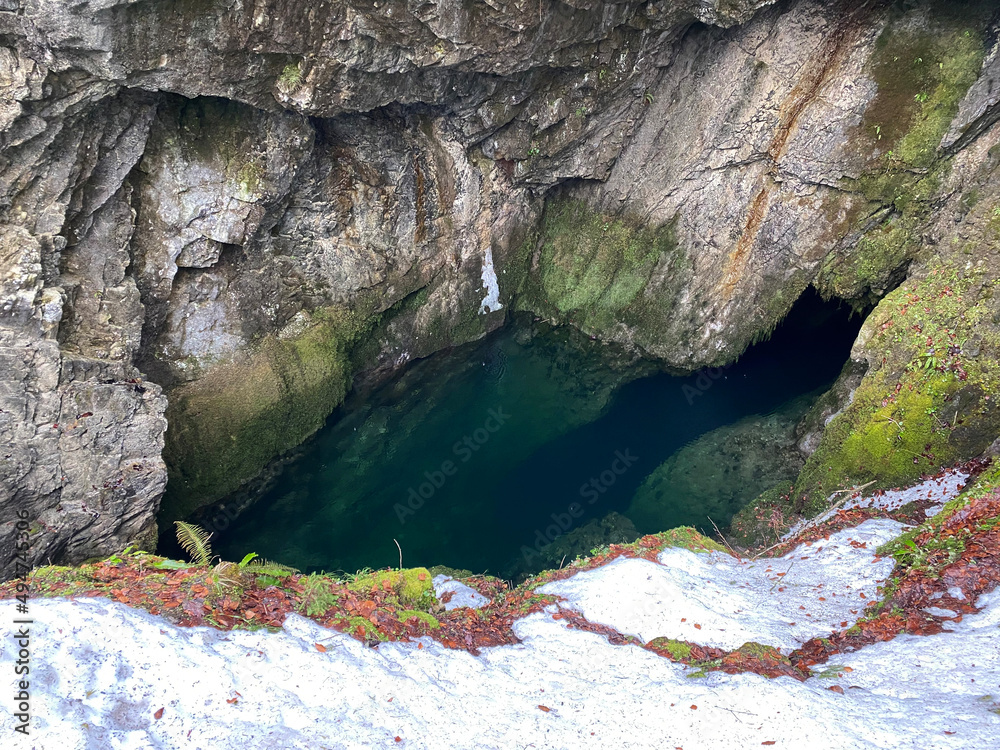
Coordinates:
710 479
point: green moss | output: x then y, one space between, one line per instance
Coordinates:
677 650
425 617
871 265
765 519
923 69
685 537
412 586
994 222
908 554
458 574
248 179
224 428
364 628
593 268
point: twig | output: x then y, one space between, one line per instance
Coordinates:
400 554
780 576
728 547
851 489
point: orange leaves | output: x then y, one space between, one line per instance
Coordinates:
546 709
158 715
320 647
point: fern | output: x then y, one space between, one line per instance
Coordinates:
194 540
317 597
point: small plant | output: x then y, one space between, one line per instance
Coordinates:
922 97
317 597
291 76
194 540
534 151
648 96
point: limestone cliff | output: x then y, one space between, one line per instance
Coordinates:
241 205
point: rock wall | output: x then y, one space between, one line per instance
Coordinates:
247 204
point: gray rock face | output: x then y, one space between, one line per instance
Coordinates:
195 191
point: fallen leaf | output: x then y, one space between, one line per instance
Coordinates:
320 647
546 709
693 707
158 714
398 738
836 689
697 626
768 742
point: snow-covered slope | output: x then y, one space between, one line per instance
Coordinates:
102 672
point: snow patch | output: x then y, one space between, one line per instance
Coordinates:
938 490
491 303
461 595
717 600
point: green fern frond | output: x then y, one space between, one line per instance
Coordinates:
194 540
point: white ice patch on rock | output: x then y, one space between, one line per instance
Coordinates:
461 595
102 671
491 303
717 600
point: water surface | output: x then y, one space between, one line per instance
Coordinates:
472 456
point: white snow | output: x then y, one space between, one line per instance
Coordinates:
461 595
101 671
717 600
491 302
937 490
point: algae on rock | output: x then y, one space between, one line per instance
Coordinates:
592 270
225 427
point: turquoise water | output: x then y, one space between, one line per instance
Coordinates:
477 457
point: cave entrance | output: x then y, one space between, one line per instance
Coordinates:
535 444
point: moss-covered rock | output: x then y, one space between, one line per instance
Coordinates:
673 649
923 66
593 270
225 427
412 586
